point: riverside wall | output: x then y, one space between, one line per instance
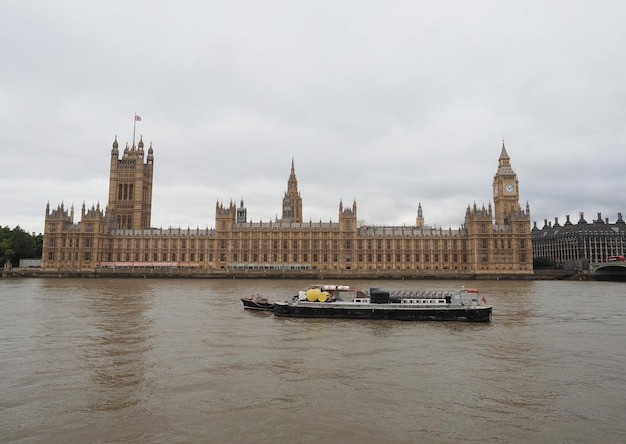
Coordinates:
290 274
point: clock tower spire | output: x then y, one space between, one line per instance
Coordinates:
505 189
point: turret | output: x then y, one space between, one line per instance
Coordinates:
242 213
419 220
347 217
115 152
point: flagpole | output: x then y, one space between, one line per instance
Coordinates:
134 125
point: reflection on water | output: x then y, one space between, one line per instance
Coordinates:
115 352
98 360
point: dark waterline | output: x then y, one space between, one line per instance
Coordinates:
181 361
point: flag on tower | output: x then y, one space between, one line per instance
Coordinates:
137 119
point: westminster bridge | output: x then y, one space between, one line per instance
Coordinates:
609 270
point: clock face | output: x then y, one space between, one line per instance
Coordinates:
509 188
495 189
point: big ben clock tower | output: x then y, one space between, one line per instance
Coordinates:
505 189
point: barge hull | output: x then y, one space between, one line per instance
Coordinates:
477 314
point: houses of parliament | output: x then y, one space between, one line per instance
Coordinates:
493 240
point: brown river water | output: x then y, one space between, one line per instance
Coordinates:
180 361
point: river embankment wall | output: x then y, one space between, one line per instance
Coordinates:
290 274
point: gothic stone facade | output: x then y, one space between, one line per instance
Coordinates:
492 240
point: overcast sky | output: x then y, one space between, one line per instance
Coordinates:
389 103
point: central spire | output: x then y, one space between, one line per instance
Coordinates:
292 202
292 183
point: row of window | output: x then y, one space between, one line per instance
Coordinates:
125 191
315 257
500 243
596 251
276 245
